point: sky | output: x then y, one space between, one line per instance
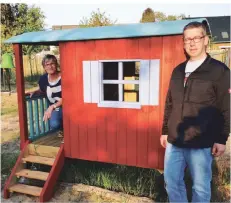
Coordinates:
71 14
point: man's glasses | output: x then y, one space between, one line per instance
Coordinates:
195 39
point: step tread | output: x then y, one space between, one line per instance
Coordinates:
39 175
43 150
39 160
26 189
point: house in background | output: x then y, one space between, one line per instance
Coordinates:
220 30
61 27
64 27
220 47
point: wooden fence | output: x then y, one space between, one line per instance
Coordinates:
32 66
222 55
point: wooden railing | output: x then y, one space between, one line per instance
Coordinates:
36 106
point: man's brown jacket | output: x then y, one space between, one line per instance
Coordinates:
198 115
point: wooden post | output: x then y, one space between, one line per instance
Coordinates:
21 95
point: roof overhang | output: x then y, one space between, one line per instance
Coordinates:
53 37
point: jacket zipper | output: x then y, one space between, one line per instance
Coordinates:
186 83
185 88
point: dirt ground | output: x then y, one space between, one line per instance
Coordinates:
81 193
67 192
64 192
9 117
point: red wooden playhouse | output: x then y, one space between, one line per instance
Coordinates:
114 84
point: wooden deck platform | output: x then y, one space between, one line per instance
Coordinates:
51 139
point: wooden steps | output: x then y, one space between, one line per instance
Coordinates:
38 175
39 160
42 150
40 154
26 189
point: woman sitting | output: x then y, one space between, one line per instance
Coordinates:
50 84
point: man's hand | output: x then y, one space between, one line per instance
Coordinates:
218 149
163 140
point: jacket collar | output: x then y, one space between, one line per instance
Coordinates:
202 68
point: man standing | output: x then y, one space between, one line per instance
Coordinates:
197 118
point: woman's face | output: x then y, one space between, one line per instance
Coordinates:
50 66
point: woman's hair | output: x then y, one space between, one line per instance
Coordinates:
49 57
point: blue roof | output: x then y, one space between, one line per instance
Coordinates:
105 32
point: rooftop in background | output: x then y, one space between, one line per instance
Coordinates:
106 32
220 28
63 27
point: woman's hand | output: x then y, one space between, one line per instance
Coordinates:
164 140
31 93
47 113
38 91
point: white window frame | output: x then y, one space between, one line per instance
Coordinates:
120 82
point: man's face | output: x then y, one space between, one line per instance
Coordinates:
195 42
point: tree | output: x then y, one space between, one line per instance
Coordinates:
148 16
17 19
7 24
97 19
160 16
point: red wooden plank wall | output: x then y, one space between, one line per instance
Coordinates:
122 136
172 55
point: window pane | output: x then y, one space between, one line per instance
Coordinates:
131 92
111 92
131 70
225 34
110 71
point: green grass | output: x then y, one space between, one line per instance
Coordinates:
138 181
221 180
221 170
28 79
12 111
8 161
32 79
130 180
9 104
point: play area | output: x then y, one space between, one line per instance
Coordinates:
114 84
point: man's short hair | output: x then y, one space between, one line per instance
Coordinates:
196 24
49 57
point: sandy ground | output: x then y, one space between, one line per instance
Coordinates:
82 193
64 192
9 128
9 117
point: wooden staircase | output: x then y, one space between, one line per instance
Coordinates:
36 154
